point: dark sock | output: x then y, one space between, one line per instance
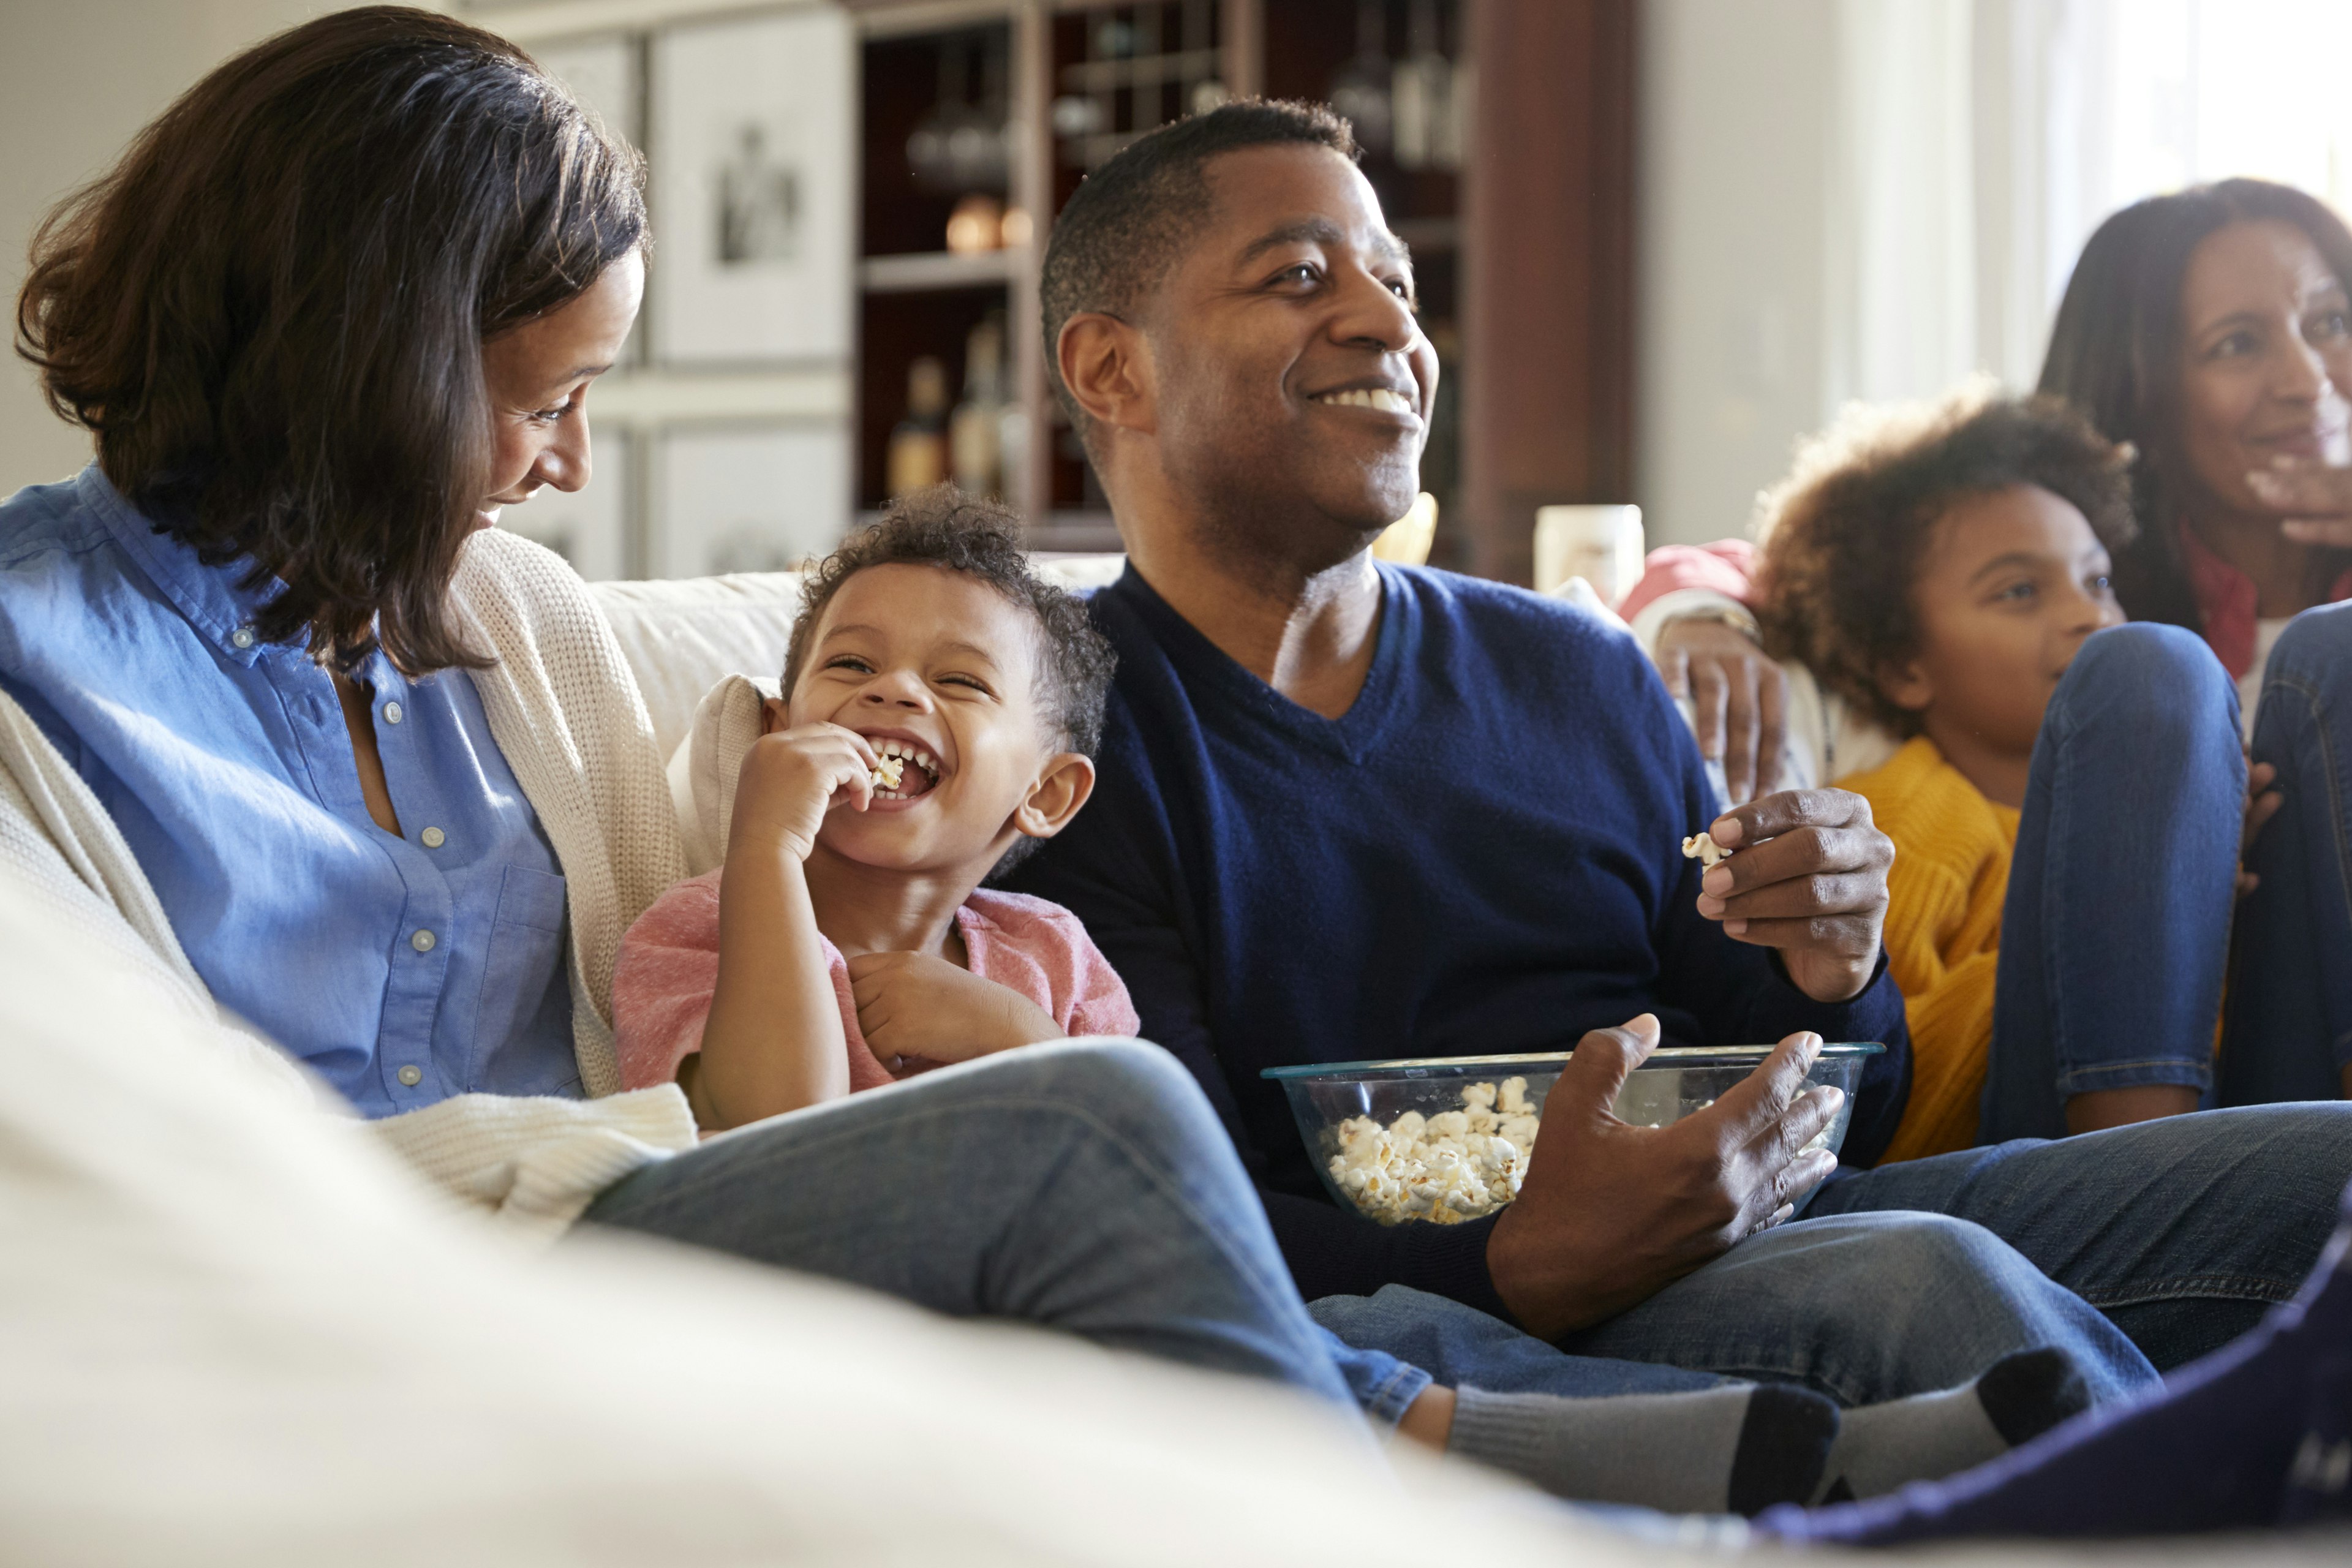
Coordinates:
1738 1449
2241 1440
1784 1445
2027 1393
1930 1436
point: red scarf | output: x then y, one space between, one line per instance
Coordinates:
2228 598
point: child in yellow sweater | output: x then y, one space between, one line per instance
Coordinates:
2072 779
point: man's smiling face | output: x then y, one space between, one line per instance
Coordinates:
1292 383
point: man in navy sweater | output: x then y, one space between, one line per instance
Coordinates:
1350 811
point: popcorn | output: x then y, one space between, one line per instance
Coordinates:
889 771
1703 848
1445 1169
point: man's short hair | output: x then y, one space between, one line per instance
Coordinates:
1132 218
1845 534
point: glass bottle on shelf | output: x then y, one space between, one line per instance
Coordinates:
975 432
918 456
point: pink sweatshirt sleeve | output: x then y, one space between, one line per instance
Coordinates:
1100 1005
663 980
1728 567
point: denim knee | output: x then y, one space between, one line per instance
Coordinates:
2314 653
2159 683
1132 1085
1935 1280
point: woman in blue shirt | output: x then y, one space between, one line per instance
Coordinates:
332 311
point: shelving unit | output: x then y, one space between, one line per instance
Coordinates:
1081 80
1519 212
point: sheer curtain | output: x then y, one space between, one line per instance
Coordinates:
1978 142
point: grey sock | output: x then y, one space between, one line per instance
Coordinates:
1882 1446
1738 1448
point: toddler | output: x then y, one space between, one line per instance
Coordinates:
940 705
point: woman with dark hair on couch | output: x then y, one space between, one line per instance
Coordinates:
290 724
2211 330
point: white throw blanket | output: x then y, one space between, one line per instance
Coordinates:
709 763
564 708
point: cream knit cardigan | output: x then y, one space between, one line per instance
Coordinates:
564 708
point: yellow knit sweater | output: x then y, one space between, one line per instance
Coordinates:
1952 849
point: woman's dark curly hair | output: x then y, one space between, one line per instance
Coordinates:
943 527
271 311
1843 535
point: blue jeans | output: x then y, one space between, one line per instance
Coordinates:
1391 1346
1861 1309
2115 931
2290 1014
2134 1249
2181 1231
1085 1186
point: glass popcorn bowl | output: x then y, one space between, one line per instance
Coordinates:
1467 1151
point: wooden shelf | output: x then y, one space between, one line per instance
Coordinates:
940 270
1559 165
1061 533
1427 234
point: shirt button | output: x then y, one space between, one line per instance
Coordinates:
391 713
433 837
411 1076
421 942
242 637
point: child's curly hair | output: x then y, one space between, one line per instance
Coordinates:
1841 536
945 527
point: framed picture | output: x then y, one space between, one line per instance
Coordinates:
589 527
754 213
749 498
605 73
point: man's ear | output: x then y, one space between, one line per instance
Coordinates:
1907 685
1062 787
1108 367
774 715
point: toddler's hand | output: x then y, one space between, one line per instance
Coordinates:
912 1004
791 778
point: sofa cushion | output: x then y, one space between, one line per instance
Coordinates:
681 635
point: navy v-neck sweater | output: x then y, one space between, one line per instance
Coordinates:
1482 854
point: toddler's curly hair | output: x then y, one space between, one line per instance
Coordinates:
1843 535
945 527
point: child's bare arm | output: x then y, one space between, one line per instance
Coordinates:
912 1005
773 1040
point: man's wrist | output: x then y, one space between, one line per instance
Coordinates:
1868 973
1543 1303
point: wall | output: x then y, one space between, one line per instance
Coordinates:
1738 107
77 80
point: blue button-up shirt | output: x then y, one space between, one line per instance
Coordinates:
403 967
